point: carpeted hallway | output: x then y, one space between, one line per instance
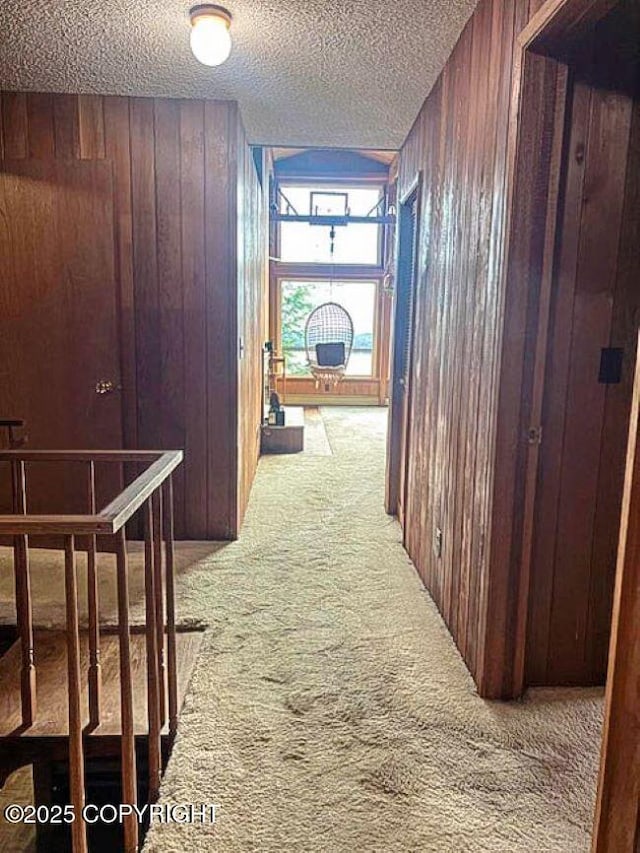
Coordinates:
329 709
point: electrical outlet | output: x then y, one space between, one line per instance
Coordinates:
437 543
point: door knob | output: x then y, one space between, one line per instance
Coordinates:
106 386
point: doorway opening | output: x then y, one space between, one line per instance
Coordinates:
568 368
592 321
331 237
399 436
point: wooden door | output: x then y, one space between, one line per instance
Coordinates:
400 412
59 354
617 822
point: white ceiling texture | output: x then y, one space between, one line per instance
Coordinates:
347 73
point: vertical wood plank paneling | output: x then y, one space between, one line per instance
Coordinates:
171 327
605 170
92 130
252 284
460 143
118 151
545 529
176 191
436 118
221 313
145 270
40 126
533 119
476 361
192 189
453 365
66 127
494 74
502 41
14 125
506 22
479 225
624 326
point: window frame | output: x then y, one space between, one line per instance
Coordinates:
324 278
342 183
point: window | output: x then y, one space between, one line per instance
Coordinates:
356 243
297 301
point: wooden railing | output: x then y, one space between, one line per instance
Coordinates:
151 494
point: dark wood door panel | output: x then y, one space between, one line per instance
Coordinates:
59 331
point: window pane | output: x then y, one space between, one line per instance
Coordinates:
304 243
298 300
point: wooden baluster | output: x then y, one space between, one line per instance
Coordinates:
24 608
171 607
95 679
153 686
156 499
128 749
76 755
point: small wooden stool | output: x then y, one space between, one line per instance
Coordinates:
288 438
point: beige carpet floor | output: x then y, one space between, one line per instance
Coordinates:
329 709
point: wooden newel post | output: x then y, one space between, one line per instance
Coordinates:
172 674
23 600
76 753
128 748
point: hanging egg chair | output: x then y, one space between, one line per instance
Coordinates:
328 341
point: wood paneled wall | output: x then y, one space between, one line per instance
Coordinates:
253 297
595 304
487 141
459 141
180 169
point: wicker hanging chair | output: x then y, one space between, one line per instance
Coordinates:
328 341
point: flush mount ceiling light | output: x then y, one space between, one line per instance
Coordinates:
210 38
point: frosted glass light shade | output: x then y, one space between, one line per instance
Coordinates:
210 37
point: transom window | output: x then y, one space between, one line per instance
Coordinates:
305 243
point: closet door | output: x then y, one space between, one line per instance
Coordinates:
59 348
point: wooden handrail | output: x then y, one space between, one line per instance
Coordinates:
66 525
82 455
119 511
152 492
110 519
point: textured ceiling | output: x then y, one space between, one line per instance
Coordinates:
306 72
